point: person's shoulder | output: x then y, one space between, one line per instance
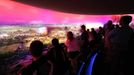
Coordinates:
85 32
113 32
117 29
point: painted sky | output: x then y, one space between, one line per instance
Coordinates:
12 12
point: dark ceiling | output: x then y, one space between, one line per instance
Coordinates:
94 7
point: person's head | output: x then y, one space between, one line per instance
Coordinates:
117 26
100 28
88 30
36 48
92 29
125 20
83 27
70 35
109 22
55 42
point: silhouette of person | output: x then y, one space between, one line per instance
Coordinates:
84 48
118 49
72 46
58 57
39 66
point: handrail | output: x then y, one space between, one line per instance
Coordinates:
89 62
90 65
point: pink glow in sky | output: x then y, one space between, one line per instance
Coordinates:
12 12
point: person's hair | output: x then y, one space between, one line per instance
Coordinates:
92 29
36 48
55 42
125 20
110 22
70 35
100 27
88 30
83 27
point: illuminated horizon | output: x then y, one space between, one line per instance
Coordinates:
13 13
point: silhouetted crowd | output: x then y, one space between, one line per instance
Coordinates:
115 42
